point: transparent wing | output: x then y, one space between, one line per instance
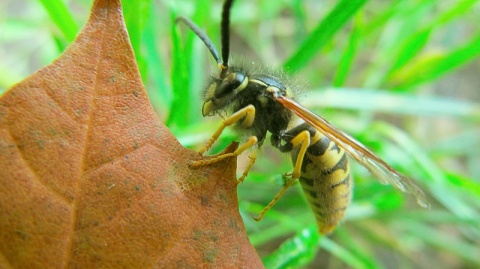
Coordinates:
357 150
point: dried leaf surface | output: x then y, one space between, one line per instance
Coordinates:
90 178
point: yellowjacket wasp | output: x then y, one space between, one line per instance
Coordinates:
260 103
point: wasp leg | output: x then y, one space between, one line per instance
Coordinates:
248 112
248 115
252 157
302 139
251 142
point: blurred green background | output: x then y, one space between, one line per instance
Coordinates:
401 76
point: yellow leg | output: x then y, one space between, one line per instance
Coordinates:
252 157
248 112
251 142
302 139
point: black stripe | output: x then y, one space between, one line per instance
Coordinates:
286 137
330 211
336 147
341 164
308 181
320 147
319 212
312 193
335 210
319 201
345 181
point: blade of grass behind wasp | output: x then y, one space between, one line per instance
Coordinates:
365 256
324 31
440 188
395 25
394 103
348 55
159 92
433 65
185 68
343 253
413 44
179 77
136 14
296 251
62 17
442 241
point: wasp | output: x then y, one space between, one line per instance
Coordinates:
259 103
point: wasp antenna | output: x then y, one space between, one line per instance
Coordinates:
201 34
226 32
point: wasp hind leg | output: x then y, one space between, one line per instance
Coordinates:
302 139
248 115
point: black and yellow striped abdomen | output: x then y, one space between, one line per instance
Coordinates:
325 179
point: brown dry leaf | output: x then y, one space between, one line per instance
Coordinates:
91 179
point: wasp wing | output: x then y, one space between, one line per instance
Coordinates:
384 172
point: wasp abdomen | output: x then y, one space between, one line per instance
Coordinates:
325 178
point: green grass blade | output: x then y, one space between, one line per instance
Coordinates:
432 66
136 14
160 94
188 73
296 251
465 183
378 21
368 260
439 185
459 9
348 55
300 21
403 18
463 145
325 30
446 242
381 101
61 16
342 253
411 48
417 41
180 106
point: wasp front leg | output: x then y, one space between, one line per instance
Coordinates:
252 157
301 139
247 114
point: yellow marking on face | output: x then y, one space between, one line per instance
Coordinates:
210 92
208 108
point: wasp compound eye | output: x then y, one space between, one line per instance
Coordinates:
221 93
231 85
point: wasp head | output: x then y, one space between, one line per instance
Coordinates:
222 91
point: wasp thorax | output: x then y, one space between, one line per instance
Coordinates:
221 92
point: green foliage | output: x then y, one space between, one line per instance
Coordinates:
296 251
61 17
401 76
323 33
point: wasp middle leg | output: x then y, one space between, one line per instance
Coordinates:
303 140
